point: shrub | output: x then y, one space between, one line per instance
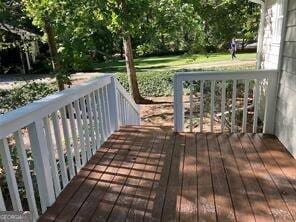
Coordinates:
151 83
17 97
161 83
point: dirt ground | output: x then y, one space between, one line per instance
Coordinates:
161 113
158 114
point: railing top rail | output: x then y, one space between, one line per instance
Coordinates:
224 75
21 117
126 95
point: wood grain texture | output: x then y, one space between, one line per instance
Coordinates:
151 174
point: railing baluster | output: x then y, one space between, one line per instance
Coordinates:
74 137
256 101
233 109
100 113
41 163
127 116
26 175
127 112
119 107
245 109
10 175
80 131
60 149
124 112
132 116
86 128
91 125
138 118
51 155
138 121
191 106
104 114
122 109
223 105
2 203
67 142
201 108
212 104
96 121
107 109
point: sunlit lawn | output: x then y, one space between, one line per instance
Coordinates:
167 63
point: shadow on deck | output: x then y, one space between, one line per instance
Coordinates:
153 174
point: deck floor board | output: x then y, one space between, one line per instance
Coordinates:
152 174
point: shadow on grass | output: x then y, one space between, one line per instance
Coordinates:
142 64
144 69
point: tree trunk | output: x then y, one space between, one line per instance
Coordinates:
121 51
53 51
131 71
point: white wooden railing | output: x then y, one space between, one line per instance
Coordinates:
219 91
62 131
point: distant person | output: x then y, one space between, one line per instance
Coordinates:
233 48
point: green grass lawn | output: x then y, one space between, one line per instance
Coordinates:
155 74
170 63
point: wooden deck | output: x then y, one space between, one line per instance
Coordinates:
152 174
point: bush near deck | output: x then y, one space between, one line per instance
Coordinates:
161 83
22 95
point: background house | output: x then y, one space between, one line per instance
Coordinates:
21 46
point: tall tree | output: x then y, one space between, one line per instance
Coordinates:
124 17
41 12
73 29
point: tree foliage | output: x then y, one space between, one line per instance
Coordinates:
225 19
155 26
12 15
83 30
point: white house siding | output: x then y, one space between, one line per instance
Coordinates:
286 107
271 47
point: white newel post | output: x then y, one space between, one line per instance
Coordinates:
42 165
270 108
178 104
138 120
113 104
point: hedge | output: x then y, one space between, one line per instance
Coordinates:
14 98
151 83
161 83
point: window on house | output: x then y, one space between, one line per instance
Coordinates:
277 21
